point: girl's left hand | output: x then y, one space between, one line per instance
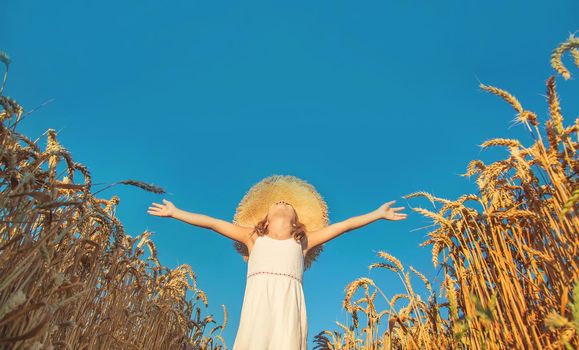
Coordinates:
388 213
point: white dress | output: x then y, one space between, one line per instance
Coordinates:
273 314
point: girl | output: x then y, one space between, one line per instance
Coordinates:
273 314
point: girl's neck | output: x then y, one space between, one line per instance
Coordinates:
279 229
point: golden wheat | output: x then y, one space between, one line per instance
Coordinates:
511 277
70 277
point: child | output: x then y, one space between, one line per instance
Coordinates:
273 314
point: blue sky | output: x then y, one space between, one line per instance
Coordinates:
366 101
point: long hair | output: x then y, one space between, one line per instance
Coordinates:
298 231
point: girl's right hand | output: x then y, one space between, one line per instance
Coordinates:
166 210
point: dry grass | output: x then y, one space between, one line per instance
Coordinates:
510 270
70 278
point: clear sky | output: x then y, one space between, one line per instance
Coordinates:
368 101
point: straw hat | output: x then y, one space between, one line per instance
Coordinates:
311 209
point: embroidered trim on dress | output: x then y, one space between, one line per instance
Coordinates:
275 273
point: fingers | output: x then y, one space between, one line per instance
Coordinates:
400 216
159 209
156 212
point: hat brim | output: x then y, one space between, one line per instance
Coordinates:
311 208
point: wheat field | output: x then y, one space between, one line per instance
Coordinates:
71 278
510 276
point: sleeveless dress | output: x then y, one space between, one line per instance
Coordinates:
273 313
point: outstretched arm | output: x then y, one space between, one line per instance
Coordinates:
225 228
330 232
